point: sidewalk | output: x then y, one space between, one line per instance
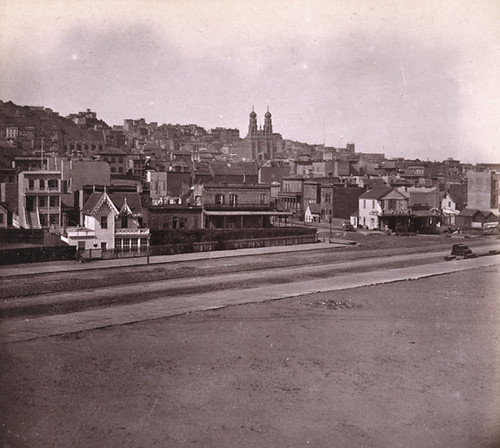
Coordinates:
21 329
66 266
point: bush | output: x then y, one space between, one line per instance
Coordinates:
177 236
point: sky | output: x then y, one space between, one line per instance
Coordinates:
404 78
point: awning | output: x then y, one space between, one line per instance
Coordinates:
424 214
246 213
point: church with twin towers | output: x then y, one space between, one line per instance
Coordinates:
261 143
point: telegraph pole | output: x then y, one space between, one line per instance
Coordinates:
331 215
41 157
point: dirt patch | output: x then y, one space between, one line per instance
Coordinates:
410 364
330 304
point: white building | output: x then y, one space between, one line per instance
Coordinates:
382 206
39 199
449 209
110 222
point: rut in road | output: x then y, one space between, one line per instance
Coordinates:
68 301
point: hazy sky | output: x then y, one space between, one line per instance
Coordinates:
407 78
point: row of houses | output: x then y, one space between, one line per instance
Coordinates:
422 210
93 208
404 209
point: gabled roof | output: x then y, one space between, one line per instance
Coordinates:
376 193
96 201
470 212
394 194
127 201
314 208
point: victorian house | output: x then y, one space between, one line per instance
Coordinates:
384 207
110 222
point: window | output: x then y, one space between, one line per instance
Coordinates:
1 218
53 184
104 246
126 243
174 222
120 169
219 199
113 169
135 243
124 222
233 200
144 243
54 201
262 198
31 184
118 243
41 202
120 159
104 222
42 184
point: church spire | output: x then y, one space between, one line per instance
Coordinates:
252 124
268 125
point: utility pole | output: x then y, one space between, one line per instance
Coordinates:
41 157
331 216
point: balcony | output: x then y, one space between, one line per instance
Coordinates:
45 190
235 208
139 232
395 212
79 232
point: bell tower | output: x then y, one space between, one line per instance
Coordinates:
252 124
268 125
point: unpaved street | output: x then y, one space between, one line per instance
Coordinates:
406 364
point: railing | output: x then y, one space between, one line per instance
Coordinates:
391 211
75 232
44 190
138 231
238 207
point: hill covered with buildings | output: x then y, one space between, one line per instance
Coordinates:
101 186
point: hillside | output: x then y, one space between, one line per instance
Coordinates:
34 123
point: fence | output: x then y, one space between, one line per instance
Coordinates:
205 246
36 254
54 253
103 254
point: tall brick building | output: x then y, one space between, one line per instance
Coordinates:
260 143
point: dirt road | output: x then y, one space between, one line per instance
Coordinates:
406 364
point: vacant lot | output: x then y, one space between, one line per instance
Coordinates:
409 364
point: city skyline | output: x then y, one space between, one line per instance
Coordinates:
415 81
